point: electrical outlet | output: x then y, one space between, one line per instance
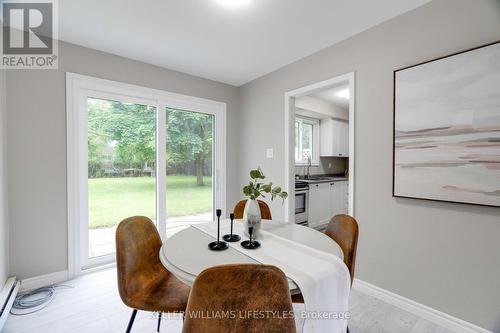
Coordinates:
330 165
269 152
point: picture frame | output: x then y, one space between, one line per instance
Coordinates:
446 128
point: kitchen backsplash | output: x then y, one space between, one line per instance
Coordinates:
338 165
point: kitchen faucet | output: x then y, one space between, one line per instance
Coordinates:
308 167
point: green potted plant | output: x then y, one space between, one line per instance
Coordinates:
255 189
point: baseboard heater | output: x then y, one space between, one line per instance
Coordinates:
7 296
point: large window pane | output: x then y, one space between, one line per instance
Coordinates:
307 141
189 154
304 140
121 168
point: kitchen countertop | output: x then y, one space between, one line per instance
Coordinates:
324 180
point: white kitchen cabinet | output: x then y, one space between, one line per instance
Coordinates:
327 200
319 203
336 198
334 138
341 198
346 198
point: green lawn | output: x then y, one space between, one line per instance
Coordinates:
113 199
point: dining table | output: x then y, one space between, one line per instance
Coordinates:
186 254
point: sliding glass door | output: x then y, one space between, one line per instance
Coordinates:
121 168
137 151
189 168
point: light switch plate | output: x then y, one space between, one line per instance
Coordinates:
269 152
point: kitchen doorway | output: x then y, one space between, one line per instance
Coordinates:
305 115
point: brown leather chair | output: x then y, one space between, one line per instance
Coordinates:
143 282
236 291
344 230
265 212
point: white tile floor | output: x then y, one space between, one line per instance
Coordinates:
93 305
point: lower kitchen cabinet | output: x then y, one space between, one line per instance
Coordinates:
336 198
319 201
327 200
342 192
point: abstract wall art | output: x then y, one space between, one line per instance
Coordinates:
447 128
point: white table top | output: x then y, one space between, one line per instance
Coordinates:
186 253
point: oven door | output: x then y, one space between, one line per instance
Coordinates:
301 206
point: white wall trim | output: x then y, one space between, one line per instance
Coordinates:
43 280
5 291
289 165
7 297
57 277
423 311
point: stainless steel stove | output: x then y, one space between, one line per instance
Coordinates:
301 202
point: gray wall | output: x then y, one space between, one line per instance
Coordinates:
446 256
37 147
4 226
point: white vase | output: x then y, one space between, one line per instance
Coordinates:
252 217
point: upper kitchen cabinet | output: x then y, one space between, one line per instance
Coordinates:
334 138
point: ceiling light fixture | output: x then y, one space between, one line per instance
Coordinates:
233 3
344 93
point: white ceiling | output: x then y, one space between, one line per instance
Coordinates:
230 45
334 96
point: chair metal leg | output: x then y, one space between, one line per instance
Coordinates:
159 322
131 322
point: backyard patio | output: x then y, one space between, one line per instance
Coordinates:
102 240
112 199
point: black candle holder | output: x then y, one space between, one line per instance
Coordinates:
231 237
250 244
218 245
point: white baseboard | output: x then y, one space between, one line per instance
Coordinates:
423 311
43 280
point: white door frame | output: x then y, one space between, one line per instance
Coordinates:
289 167
78 88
